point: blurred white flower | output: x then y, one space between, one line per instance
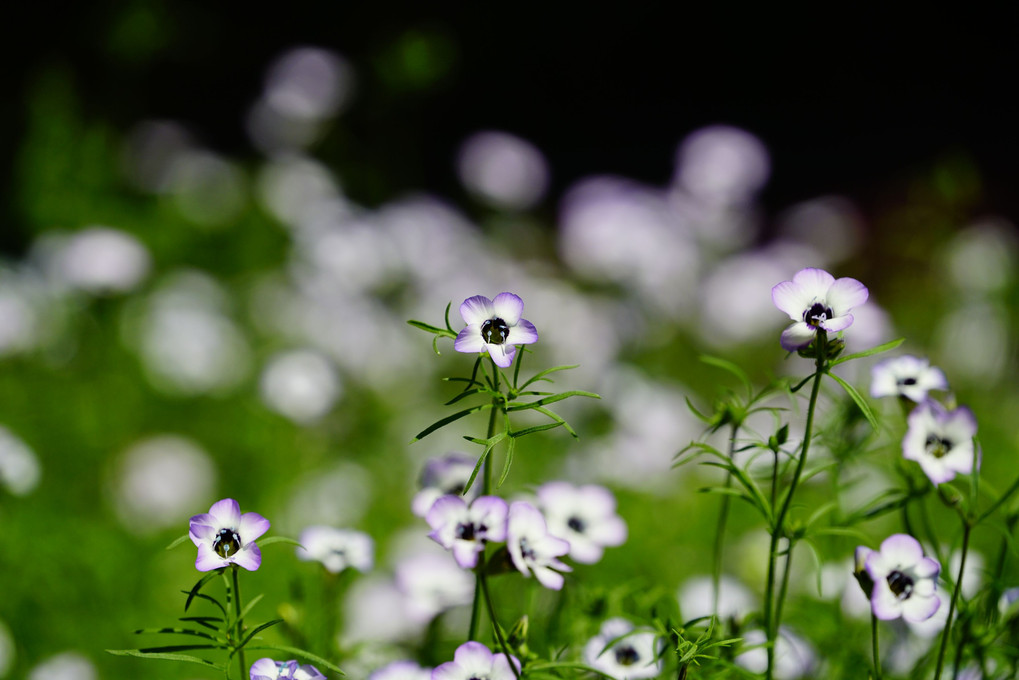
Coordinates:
19 467
585 516
401 670
794 657
95 260
6 650
432 583
64 666
981 259
208 190
160 480
697 598
300 384
334 496
503 170
722 165
337 549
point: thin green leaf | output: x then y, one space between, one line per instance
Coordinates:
510 446
552 399
175 648
541 375
253 633
729 367
427 327
801 383
249 606
559 419
533 428
169 657
697 414
551 665
177 541
198 586
489 444
207 621
442 422
842 531
446 317
760 502
295 651
860 402
262 542
466 393
181 631
869 352
208 598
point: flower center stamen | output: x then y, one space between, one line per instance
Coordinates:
906 381
226 543
938 446
526 551
576 524
626 655
465 532
900 584
494 331
817 314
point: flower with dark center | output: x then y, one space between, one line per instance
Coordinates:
906 376
941 441
585 516
441 476
902 581
475 661
532 548
624 652
465 529
267 669
224 536
815 300
494 326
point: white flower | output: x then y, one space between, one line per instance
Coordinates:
337 549
624 652
941 441
463 529
475 661
532 548
904 581
696 598
585 516
794 658
906 376
494 326
224 536
443 476
816 300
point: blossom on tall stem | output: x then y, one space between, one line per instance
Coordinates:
475 661
532 548
337 549
465 529
224 536
906 376
448 474
941 441
494 326
815 300
623 652
268 669
585 516
903 582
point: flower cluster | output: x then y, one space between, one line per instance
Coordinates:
579 521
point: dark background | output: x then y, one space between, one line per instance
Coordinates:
848 100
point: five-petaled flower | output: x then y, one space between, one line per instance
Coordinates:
815 300
465 529
903 581
337 549
532 548
941 441
583 515
267 669
475 661
224 536
906 376
622 652
494 326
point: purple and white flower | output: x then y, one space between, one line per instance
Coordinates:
906 376
494 326
941 441
224 536
267 669
816 300
624 652
447 475
429 584
904 582
475 661
337 549
583 515
465 529
532 548
794 657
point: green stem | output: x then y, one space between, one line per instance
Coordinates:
966 528
723 518
486 488
784 588
240 624
771 622
998 503
873 640
498 631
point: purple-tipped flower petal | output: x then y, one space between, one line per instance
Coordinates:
815 300
585 516
494 326
474 660
224 536
532 548
464 529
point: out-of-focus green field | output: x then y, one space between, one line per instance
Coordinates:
149 371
